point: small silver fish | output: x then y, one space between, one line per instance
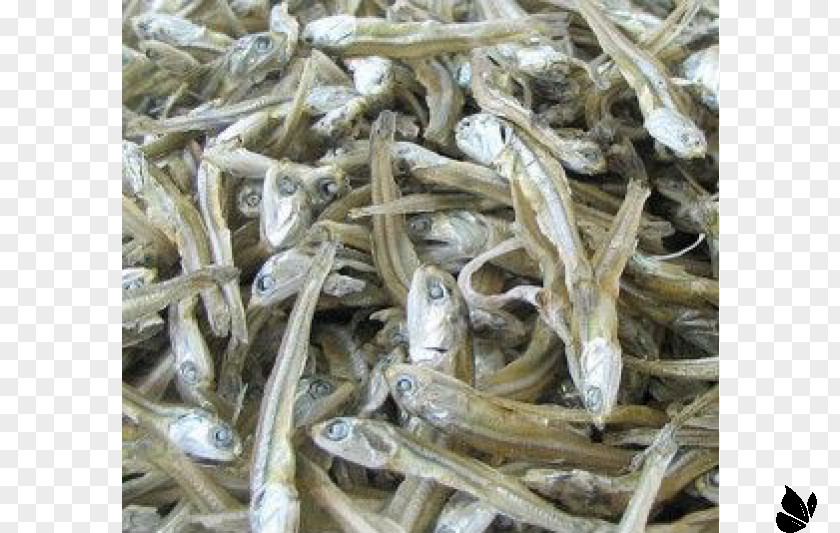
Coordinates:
286 209
438 323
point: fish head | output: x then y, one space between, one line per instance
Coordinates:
595 328
205 436
600 375
449 235
279 277
286 209
424 392
330 32
163 54
364 442
311 392
677 132
437 317
393 331
408 384
326 184
254 55
169 57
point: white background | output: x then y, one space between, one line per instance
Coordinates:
780 214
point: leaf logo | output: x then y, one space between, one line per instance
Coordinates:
798 513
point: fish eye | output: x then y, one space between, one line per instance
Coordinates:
320 388
286 187
262 43
435 290
405 384
157 103
222 437
420 225
592 398
308 38
328 188
337 430
132 284
265 283
189 372
253 199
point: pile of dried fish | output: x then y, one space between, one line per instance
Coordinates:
420 265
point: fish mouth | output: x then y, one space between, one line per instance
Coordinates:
436 349
214 461
441 252
435 245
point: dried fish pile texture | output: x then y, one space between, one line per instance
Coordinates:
420 265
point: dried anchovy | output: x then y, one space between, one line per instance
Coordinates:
424 265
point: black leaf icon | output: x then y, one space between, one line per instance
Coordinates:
788 524
794 505
800 513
